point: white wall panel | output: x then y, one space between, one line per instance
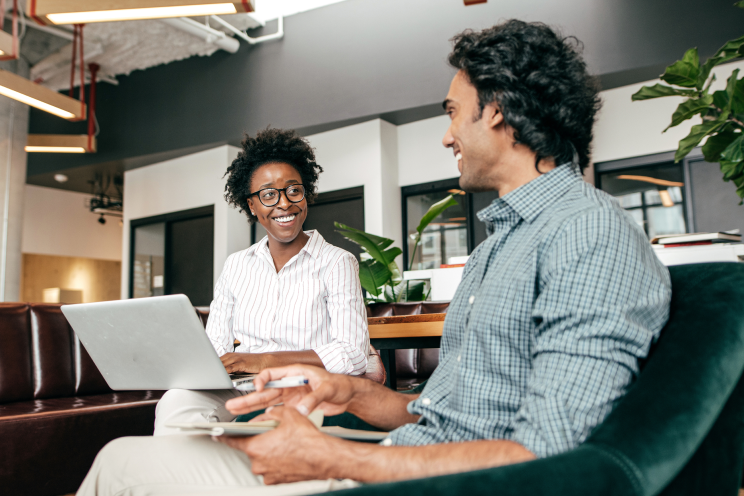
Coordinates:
57 222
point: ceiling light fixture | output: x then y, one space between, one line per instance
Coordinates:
6 44
79 11
652 180
60 178
30 93
60 143
9 41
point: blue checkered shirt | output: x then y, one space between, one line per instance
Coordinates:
544 333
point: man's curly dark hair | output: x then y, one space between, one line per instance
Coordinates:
270 145
539 82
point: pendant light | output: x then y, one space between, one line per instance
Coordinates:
85 11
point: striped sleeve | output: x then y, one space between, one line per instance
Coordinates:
348 347
219 324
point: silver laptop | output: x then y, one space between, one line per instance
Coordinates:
150 343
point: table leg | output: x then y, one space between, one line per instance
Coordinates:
388 361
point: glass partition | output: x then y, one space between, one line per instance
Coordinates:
654 196
149 260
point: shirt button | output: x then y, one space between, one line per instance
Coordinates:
471 300
458 357
426 401
387 442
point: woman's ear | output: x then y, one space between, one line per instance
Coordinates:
250 206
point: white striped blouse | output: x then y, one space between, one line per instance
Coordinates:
314 303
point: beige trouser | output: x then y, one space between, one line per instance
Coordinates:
183 405
192 465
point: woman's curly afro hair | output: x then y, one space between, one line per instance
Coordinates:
540 83
269 146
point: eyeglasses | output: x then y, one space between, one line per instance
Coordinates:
270 196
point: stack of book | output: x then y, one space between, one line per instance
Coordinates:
695 239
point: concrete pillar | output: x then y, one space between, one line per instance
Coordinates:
13 135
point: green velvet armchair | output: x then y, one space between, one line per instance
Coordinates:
679 430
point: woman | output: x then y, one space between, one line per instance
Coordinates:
290 298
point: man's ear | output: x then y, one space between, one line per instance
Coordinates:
492 116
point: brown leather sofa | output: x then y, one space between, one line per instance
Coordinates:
412 366
56 411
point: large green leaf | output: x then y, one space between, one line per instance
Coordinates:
406 291
374 245
372 276
735 151
740 4
435 211
690 108
731 50
379 240
731 90
705 71
737 101
684 72
659 91
716 144
697 133
730 169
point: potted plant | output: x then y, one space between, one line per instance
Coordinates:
379 273
722 111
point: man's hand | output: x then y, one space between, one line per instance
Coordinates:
331 393
295 451
244 362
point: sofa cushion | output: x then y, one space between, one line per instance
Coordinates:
52 342
49 445
74 405
16 374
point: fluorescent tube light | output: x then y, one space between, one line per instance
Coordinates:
85 11
55 149
6 43
30 93
137 14
60 143
35 103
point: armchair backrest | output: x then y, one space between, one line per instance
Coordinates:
678 431
681 425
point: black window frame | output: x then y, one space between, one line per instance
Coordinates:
649 161
443 185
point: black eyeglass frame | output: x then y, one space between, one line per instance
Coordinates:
279 196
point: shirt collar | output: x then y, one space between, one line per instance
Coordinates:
312 247
530 199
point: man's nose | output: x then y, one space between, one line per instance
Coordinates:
448 141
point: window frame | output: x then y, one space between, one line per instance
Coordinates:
650 161
436 187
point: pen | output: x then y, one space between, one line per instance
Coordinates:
286 382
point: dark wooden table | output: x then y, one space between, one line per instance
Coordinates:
404 332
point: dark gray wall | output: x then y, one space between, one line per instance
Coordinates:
360 59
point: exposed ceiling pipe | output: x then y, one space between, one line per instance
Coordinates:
253 41
217 38
60 33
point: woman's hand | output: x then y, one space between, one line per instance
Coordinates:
331 393
251 363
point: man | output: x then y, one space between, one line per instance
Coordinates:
541 340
